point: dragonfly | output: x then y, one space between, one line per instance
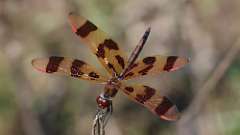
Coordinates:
119 68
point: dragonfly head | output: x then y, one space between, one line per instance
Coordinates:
103 102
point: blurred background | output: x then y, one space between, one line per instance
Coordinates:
206 91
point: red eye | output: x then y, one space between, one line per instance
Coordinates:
102 103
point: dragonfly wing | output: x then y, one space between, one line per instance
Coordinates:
106 50
151 99
67 66
154 65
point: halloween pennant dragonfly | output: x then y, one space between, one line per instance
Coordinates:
118 66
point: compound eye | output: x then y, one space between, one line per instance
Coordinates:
102 103
105 104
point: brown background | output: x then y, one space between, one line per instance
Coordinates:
207 90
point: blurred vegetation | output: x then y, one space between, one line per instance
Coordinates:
207 90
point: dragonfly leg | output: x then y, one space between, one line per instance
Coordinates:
101 119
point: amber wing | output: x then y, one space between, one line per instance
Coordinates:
107 50
151 99
67 66
154 65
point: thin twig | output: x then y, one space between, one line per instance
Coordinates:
203 93
100 121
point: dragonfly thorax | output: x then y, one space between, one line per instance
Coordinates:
114 82
111 88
